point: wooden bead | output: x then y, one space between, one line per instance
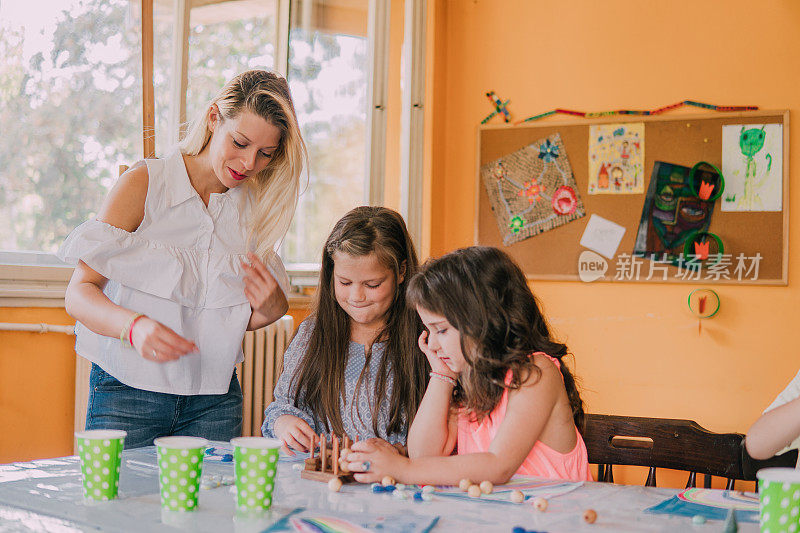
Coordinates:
517 496
387 480
335 484
486 487
474 491
464 484
589 516
540 504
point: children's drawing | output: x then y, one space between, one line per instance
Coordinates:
676 506
616 158
223 453
672 213
309 521
727 499
532 190
752 163
328 524
531 488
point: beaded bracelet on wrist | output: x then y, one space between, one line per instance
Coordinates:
442 377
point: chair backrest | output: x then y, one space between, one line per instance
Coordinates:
662 443
750 466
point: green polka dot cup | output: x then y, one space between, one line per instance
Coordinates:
180 465
100 451
256 462
779 492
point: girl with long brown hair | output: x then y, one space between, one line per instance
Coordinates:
354 367
500 395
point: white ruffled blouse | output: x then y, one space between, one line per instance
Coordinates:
181 267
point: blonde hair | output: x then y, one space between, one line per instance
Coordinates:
275 190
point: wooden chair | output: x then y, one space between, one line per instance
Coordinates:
750 466
662 443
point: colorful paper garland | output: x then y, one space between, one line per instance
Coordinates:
601 114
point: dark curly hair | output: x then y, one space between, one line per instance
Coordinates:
485 296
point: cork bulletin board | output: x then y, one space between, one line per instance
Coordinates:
678 140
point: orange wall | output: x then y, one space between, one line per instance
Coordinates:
637 349
37 393
37 385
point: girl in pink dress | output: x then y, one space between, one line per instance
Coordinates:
500 401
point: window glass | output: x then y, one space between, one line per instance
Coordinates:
328 75
71 109
70 84
227 38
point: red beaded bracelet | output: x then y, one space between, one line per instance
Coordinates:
130 330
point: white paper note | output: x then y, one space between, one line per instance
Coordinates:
602 236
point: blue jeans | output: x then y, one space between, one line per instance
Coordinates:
147 415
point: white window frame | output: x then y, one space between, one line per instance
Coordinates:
412 136
25 281
39 279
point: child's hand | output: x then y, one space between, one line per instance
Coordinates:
294 432
156 342
261 289
375 458
436 364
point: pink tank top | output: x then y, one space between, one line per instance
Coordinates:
542 461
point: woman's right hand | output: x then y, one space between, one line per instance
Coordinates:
294 432
436 364
156 342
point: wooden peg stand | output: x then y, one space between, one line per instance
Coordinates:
325 466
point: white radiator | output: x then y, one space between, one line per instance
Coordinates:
263 362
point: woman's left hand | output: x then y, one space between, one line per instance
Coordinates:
374 459
262 291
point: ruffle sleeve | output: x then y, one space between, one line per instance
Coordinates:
189 277
275 267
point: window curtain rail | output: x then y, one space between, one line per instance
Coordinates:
37 328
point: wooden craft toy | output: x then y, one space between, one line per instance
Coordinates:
517 496
335 484
500 107
486 487
540 504
589 516
327 466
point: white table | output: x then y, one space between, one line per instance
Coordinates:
47 495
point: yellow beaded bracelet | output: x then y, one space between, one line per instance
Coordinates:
124 335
